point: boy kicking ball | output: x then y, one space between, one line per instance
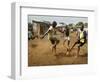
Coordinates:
52 36
81 40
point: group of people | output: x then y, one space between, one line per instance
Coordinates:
52 37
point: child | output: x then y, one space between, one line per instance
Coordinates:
81 39
52 36
66 35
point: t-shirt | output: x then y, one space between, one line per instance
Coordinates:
82 36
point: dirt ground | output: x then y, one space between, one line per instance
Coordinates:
39 53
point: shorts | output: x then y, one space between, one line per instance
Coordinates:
54 40
67 38
80 43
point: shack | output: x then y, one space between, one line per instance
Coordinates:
40 27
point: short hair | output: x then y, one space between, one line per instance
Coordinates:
54 23
82 27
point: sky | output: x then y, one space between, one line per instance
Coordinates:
58 19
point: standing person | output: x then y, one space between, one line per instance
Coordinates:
81 39
52 36
66 37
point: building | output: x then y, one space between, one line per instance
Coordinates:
39 27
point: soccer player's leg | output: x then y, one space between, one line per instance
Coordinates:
56 42
79 46
65 45
65 40
68 41
52 43
74 45
78 50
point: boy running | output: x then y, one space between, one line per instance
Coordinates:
66 37
52 36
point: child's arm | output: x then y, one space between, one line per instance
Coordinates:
45 34
60 30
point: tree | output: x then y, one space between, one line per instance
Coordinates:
62 23
79 24
86 25
71 25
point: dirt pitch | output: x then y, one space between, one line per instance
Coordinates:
39 53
